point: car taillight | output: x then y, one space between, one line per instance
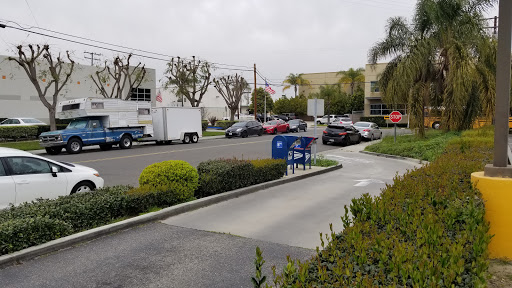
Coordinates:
325 132
344 133
366 130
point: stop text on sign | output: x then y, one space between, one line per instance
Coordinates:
395 116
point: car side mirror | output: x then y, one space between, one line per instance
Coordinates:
54 171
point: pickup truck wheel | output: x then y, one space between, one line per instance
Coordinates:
53 150
126 142
186 139
105 147
74 146
195 138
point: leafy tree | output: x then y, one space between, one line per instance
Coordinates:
352 77
231 88
299 106
282 105
119 73
295 80
357 100
261 95
54 73
188 78
442 59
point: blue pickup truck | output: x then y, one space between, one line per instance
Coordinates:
88 131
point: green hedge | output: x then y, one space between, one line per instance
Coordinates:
379 120
44 220
204 125
218 176
425 230
17 132
224 124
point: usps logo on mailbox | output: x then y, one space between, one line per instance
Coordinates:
279 144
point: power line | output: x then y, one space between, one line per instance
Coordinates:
31 13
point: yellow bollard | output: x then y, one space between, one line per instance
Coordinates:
497 195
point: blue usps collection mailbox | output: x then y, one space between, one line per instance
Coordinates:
302 152
282 148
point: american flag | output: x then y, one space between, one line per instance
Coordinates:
159 97
268 89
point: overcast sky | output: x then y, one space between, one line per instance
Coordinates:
280 36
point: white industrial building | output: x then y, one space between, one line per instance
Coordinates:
18 97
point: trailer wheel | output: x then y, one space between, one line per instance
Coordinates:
195 138
436 125
74 146
186 139
126 142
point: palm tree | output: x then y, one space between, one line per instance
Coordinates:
352 77
443 59
295 80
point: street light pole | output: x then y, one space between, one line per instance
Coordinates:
500 161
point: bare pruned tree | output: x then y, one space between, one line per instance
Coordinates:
188 78
53 73
231 88
112 79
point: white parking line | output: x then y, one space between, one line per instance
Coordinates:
344 159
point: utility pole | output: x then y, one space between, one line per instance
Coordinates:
255 105
92 57
495 25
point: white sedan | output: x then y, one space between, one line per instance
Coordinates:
25 177
343 121
22 122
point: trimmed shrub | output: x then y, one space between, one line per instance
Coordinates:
225 124
142 198
425 230
204 125
221 175
176 174
379 120
17 132
268 169
21 233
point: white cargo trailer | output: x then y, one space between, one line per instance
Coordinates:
176 123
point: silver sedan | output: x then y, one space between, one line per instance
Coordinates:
368 130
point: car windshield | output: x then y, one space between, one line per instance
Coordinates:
67 164
294 122
30 120
77 124
362 124
336 128
271 123
239 124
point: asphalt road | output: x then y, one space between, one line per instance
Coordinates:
124 166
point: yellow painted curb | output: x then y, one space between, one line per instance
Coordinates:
497 195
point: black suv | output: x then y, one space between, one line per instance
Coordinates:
344 135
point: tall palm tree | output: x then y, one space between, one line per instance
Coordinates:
443 59
352 77
295 80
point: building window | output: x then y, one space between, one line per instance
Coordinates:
97 105
374 86
71 107
143 111
141 94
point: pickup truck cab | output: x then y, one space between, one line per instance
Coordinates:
85 132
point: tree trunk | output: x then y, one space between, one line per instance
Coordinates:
53 124
295 88
232 116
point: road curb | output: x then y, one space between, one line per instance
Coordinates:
395 157
71 240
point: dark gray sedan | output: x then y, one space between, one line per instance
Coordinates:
368 130
244 129
296 125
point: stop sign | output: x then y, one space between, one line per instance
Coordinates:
395 116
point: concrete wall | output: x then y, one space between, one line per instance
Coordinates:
19 98
318 79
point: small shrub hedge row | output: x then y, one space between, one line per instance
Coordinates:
19 132
425 230
224 124
218 176
204 125
178 174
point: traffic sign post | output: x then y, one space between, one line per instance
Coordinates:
315 108
395 117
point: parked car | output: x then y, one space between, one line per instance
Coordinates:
290 116
368 130
244 129
297 125
274 126
344 135
22 122
331 118
25 177
283 117
343 121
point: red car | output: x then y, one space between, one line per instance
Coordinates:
274 126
